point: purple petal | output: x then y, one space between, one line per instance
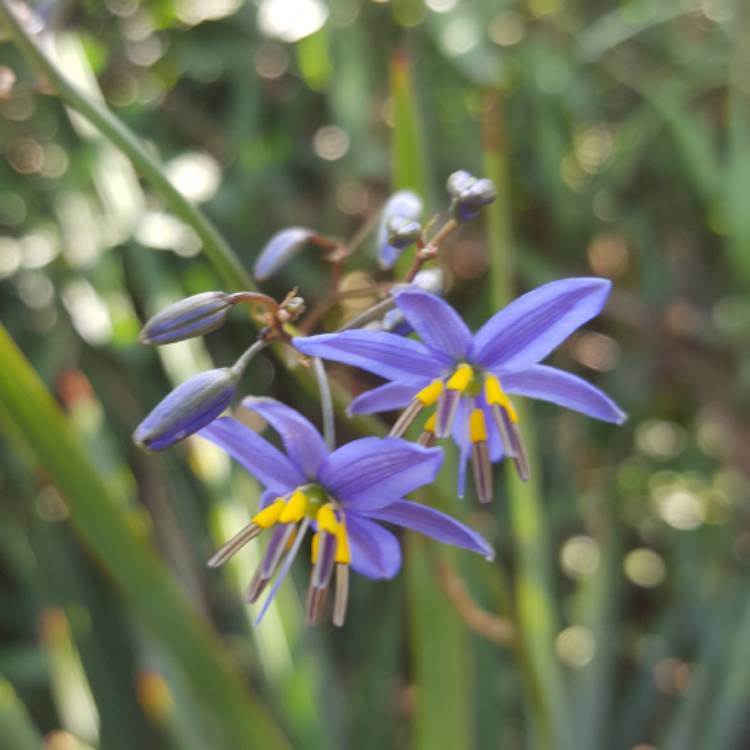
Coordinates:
384 354
434 524
375 551
266 463
564 389
404 204
303 443
385 398
279 250
436 322
529 328
372 472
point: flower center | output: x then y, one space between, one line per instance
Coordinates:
290 517
446 394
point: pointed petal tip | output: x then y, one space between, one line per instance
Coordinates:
141 441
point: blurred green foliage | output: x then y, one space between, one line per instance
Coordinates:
619 135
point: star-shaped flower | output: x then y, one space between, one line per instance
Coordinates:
340 495
468 377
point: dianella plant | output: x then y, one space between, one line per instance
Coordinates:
436 439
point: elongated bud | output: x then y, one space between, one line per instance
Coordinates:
279 250
190 406
400 213
190 317
469 194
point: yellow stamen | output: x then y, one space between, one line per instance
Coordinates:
477 427
495 394
326 519
270 515
429 425
461 378
295 508
343 554
315 547
430 394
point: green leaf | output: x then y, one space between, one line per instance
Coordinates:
438 639
125 554
536 617
16 729
439 647
408 164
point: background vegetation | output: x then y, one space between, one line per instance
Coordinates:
617 614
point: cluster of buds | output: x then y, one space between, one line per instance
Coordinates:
469 195
202 398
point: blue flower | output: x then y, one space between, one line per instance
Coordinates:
469 377
340 495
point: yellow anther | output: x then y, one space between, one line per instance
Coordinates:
461 378
295 508
270 515
429 425
315 547
343 554
477 427
326 519
495 394
430 394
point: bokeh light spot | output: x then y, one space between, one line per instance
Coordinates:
575 646
644 567
196 175
660 438
506 29
291 20
330 142
580 556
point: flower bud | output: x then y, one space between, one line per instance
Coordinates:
469 194
403 232
459 182
190 317
400 213
190 406
279 250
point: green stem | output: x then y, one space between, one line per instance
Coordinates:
218 252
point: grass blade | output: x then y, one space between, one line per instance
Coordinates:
127 558
16 729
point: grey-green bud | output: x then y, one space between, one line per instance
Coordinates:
403 231
469 194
